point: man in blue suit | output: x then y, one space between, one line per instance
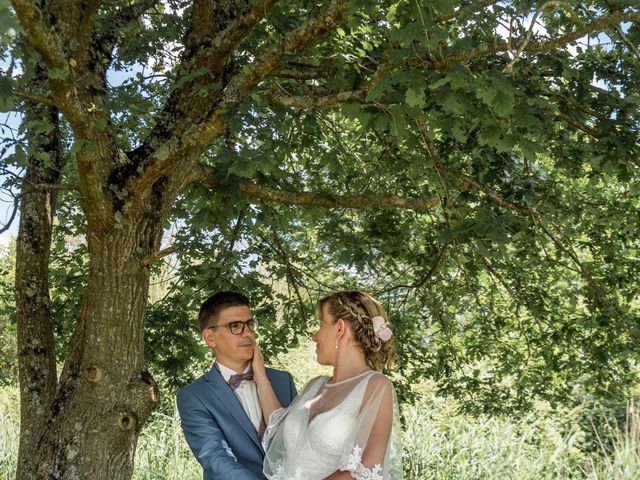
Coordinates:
220 412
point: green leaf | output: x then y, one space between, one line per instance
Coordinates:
7 99
57 73
415 97
503 103
9 26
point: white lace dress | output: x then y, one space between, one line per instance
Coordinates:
351 425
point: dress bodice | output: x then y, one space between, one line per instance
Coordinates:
315 443
328 427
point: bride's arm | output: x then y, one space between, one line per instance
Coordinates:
268 400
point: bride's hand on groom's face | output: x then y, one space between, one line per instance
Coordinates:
257 363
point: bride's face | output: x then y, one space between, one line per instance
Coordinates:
326 338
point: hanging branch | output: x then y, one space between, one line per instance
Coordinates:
14 212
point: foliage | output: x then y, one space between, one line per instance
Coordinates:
8 350
518 283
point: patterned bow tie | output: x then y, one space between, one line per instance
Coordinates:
236 379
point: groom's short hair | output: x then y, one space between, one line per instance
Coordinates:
213 305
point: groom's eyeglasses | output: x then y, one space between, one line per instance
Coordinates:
238 327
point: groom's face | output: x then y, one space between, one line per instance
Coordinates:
233 351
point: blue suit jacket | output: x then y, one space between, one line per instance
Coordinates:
217 429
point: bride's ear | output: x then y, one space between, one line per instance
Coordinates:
343 328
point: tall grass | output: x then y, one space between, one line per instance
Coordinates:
9 430
620 458
439 444
163 452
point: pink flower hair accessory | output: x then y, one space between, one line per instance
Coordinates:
381 328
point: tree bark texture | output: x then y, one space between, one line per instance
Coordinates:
104 395
36 355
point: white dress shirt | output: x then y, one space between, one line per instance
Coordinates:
247 393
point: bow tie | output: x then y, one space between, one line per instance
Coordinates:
236 379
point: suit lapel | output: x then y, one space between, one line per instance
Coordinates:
226 397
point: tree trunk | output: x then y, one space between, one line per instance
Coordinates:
36 353
105 395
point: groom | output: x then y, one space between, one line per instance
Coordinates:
220 412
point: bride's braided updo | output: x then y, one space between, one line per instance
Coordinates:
358 308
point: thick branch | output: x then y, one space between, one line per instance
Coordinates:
34 97
84 31
36 355
224 43
158 255
47 43
297 40
40 35
203 132
253 191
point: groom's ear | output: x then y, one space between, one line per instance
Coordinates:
207 336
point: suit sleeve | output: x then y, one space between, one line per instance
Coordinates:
292 388
206 440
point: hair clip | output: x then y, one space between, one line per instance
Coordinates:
381 328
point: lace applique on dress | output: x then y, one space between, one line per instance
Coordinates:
280 475
358 470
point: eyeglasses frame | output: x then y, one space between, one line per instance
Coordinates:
245 324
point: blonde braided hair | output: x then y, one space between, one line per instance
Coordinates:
358 308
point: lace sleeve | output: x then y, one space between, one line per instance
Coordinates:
374 451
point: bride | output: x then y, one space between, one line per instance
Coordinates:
345 426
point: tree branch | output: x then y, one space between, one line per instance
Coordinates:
203 132
602 23
40 35
319 101
158 255
463 8
525 42
492 194
224 43
57 186
252 190
7 225
297 40
36 97
47 43
586 274
419 283
121 19
628 42
85 29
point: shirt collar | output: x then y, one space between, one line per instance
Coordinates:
226 372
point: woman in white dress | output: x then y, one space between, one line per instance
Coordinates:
345 426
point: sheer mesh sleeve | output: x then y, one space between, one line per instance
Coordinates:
374 449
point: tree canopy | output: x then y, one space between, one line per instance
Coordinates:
474 165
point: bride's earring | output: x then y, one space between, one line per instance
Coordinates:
336 344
